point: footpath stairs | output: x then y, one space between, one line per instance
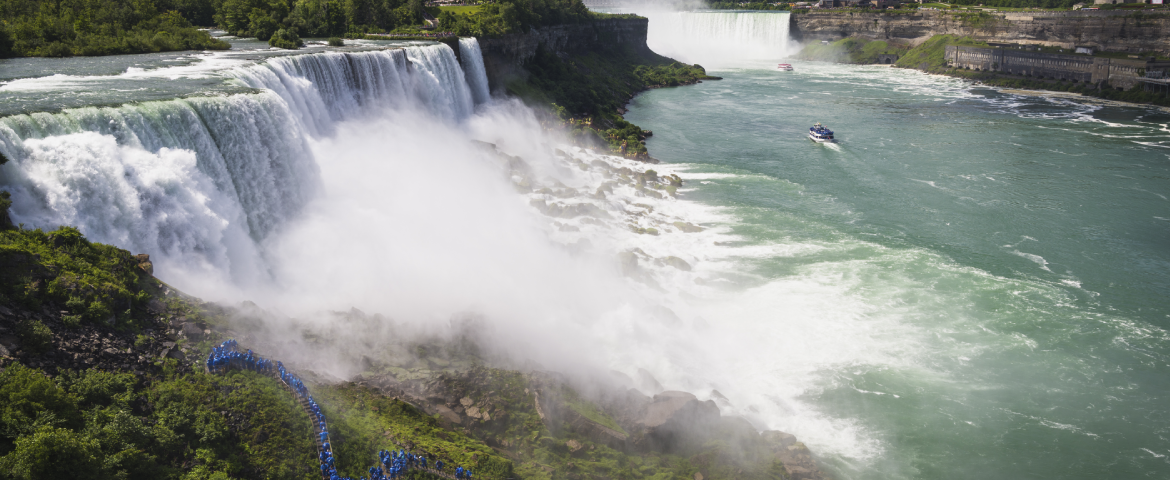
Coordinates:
303 402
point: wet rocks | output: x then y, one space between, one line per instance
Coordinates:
144 263
796 457
573 446
676 421
677 263
192 331
647 382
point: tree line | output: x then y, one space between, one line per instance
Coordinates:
61 28
57 28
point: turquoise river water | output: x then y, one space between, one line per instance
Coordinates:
1016 246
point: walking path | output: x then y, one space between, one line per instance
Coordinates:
393 464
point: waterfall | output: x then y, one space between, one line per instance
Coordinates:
202 182
325 88
473 67
719 39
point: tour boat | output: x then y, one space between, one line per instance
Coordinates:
787 67
820 134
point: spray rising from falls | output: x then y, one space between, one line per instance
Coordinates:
719 39
202 182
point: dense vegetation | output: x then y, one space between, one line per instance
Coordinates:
588 91
62 28
106 425
506 16
105 27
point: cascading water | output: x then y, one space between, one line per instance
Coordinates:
327 88
201 182
719 38
473 66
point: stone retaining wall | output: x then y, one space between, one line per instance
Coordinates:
1121 73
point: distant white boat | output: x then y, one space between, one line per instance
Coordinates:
787 67
820 134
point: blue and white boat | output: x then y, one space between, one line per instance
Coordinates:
820 134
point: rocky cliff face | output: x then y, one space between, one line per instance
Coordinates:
1102 30
504 56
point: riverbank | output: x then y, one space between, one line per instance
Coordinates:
931 56
582 76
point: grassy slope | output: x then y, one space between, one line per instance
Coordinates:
930 56
363 422
461 9
849 50
62 270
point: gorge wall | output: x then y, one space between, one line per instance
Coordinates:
504 56
1115 31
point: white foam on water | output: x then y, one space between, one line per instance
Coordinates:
1038 260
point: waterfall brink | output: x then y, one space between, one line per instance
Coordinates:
720 39
325 88
473 67
202 182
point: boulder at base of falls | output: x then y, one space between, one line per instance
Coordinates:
676 422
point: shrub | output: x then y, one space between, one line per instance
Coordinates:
75 304
54 453
286 38
98 312
95 387
5 204
34 335
30 400
336 42
71 321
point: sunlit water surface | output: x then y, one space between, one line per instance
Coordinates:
1014 247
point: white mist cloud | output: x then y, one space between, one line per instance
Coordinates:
419 223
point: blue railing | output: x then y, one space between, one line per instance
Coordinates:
393 464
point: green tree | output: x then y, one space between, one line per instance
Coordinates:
53 453
286 38
261 24
30 400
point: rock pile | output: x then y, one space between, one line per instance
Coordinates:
70 345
